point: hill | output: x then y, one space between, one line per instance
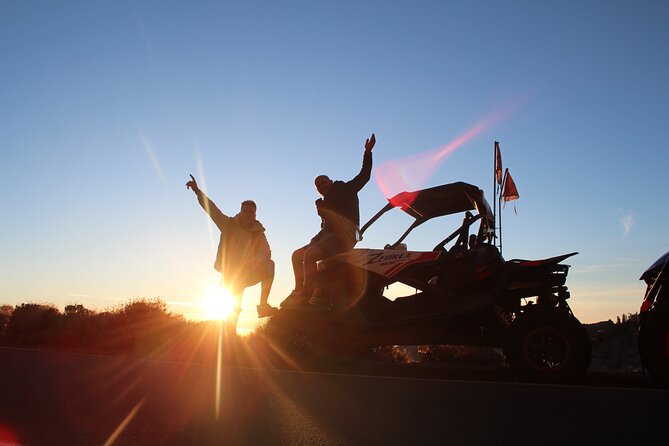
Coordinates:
614 345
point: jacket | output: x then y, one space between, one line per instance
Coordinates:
340 208
239 247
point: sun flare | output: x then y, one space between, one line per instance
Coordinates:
217 303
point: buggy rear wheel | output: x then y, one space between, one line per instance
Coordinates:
311 339
654 343
548 345
290 337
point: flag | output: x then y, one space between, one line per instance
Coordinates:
510 191
498 164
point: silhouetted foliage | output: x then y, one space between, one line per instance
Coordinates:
614 345
393 353
141 328
77 311
33 325
631 318
5 313
459 353
78 330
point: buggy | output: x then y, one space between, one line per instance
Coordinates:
654 321
466 294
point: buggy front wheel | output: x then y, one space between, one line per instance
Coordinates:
547 345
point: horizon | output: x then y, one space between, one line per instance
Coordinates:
242 329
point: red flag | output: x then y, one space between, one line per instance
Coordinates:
498 164
510 191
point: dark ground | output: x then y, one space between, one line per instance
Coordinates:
50 397
57 398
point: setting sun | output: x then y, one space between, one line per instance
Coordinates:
217 303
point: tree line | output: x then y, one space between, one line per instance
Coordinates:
140 327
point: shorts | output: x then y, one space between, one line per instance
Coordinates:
254 274
331 244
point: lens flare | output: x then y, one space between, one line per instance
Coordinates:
121 427
217 304
7 435
152 156
414 171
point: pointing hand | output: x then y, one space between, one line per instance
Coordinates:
192 184
369 143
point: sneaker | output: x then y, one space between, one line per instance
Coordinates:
294 299
266 310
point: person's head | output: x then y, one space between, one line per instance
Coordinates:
323 184
247 213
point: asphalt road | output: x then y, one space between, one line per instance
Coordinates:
55 398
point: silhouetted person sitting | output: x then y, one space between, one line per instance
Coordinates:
472 241
340 215
464 241
244 256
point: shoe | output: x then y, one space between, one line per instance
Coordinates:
294 299
266 310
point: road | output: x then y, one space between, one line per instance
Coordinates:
56 398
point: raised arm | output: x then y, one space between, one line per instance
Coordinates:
219 218
366 171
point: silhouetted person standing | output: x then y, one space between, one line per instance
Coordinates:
243 257
340 214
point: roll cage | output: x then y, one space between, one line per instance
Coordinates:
447 199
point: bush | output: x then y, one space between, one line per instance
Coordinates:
5 313
141 327
393 353
460 353
78 330
33 325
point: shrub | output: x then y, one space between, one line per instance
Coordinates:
459 353
33 325
78 330
393 353
5 313
140 327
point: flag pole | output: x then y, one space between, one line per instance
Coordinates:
500 210
494 188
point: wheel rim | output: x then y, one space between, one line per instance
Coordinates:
546 348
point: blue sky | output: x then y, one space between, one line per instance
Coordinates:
106 107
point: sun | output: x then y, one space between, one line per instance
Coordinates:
217 304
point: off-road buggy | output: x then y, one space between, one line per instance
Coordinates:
465 294
654 320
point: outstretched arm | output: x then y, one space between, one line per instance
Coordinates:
219 218
365 173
